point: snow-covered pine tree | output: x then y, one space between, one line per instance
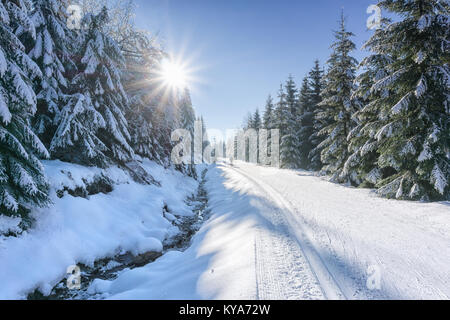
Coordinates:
142 61
22 179
206 141
415 141
290 144
257 120
337 104
279 114
165 121
187 122
268 121
140 127
99 79
187 113
247 123
306 123
316 83
268 117
363 146
257 124
51 50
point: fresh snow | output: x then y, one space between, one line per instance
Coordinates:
281 234
272 234
77 230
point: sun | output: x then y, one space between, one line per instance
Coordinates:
172 77
173 74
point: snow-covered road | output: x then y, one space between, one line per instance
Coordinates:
350 236
281 234
287 266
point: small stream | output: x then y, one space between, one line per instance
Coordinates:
109 268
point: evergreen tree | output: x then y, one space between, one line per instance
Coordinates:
257 120
311 122
100 81
187 121
206 141
166 120
257 124
65 121
279 119
22 180
268 114
248 121
338 105
290 146
413 124
268 121
305 118
362 163
140 126
51 50
142 62
187 113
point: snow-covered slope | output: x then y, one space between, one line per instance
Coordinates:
280 234
81 230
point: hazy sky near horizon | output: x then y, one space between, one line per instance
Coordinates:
241 50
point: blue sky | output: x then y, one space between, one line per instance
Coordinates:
243 49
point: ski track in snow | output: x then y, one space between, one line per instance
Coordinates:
412 258
285 268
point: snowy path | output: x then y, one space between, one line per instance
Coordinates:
285 270
348 235
281 234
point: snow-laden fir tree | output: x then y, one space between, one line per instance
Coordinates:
257 124
22 180
412 131
142 61
187 113
206 141
247 123
140 126
99 79
187 122
51 50
290 144
75 139
279 114
306 123
337 104
268 121
362 163
311 122
268 117
165 121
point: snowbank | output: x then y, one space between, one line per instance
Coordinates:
218 265
81 230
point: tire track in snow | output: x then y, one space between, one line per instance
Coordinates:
289 226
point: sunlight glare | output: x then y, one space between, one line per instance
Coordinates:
174 74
